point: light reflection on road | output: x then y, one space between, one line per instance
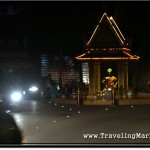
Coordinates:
18 118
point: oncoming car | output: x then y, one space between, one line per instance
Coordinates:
11 93
33 91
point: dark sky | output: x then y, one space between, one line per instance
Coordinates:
66 25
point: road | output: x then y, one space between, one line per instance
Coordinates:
49 123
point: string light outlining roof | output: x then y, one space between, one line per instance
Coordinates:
94 52
107 55
114 28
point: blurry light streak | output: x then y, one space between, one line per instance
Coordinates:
18 119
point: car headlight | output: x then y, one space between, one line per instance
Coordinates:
16 96
33 89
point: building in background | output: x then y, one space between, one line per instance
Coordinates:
63 69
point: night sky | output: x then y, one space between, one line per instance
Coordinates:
65 26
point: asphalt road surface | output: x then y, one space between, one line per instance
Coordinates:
45 122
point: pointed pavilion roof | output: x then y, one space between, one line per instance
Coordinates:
107 43
106 34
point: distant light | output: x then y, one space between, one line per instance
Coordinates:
7 111
33 89
109 89
16 96
109 70
111 18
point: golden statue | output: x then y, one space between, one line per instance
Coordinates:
110 81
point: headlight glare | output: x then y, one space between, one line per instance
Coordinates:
33 89
16 96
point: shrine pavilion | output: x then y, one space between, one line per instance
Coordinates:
106 44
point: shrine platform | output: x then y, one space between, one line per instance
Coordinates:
141 99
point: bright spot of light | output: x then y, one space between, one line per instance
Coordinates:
109 89
33 89
16 96
58 87
18 119
8 111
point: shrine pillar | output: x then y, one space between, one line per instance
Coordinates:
94 79
126 75
91 78
123 75
97 77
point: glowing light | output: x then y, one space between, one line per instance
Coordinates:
81 55
111 18
109 70
129 56
113 25
16 96
111 22
137 57
96 28
115 30
33 89
102 17
7 111
18 119
123 49
109 58
109 89
92 35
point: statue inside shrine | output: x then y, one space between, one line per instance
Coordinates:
110 81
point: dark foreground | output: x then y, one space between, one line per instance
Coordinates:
53 124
